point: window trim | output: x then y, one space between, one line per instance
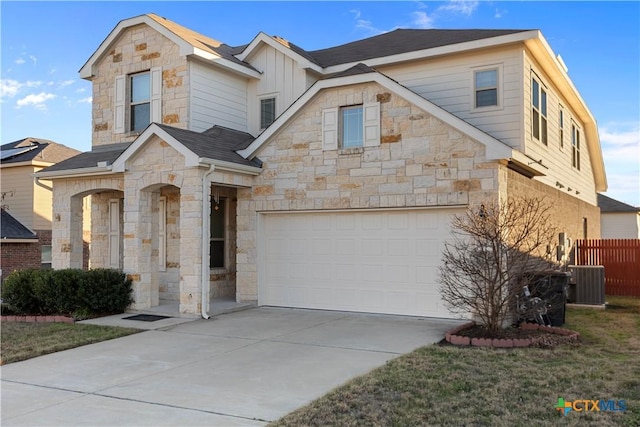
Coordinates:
162 233
274 97
536 110
122 105
561 120
44 263
499 68
575 146
341 126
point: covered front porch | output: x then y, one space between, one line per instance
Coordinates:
165 216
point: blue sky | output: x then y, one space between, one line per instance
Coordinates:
44 44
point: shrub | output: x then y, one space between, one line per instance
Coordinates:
67 291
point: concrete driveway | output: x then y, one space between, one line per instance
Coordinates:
243 368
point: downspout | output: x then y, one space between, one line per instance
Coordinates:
206 226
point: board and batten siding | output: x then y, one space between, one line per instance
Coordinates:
217 98
282 78
556 158
449 83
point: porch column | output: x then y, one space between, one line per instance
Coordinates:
66 231
141 246
191 254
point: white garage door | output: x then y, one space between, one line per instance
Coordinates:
379 261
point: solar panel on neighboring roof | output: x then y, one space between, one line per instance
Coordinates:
7 154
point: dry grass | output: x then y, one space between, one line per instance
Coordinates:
444 385
22 341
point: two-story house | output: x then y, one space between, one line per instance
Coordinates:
321 179
25 235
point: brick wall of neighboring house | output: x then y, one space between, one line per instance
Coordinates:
18 256
568 212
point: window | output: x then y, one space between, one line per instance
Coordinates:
351 127
486 88
575 147
162 233
137 100
267 112
140 101
561 126
45 257
217 236
539 111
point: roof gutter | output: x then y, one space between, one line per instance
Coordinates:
230 167
76 173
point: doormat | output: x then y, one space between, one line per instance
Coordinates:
146 317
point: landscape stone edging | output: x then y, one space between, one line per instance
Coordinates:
452 338
38 319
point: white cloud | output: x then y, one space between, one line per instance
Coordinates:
621 152
37 101
86 100
66 83
10 88
19 61
33 59
460 7
422 20
364 24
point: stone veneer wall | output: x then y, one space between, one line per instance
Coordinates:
138 49
568 211
420 162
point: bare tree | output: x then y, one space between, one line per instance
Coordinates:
494 245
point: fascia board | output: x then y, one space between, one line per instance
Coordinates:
75 173
264 38
10 240
215 59
33 163
119 165
437 51
495 149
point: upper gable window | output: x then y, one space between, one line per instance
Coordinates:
137 100
351 128
538 111
267 112
486 88
140 101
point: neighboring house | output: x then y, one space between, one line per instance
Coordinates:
618 220
26 203
321 179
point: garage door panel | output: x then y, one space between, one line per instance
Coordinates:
382 261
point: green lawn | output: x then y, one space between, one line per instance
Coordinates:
445 385
20 341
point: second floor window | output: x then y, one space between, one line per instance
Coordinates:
140 101
575 147
486 88
561 126
539 111
267 112
351 128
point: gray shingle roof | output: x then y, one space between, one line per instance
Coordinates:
11 228
399 41
35 149
607 204
218 143
89 159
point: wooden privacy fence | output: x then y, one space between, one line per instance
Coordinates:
621 261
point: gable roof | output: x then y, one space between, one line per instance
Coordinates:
398 42
11 228
216 146
189 42
607 204
35 150
495 149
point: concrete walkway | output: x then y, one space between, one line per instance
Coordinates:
244 368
